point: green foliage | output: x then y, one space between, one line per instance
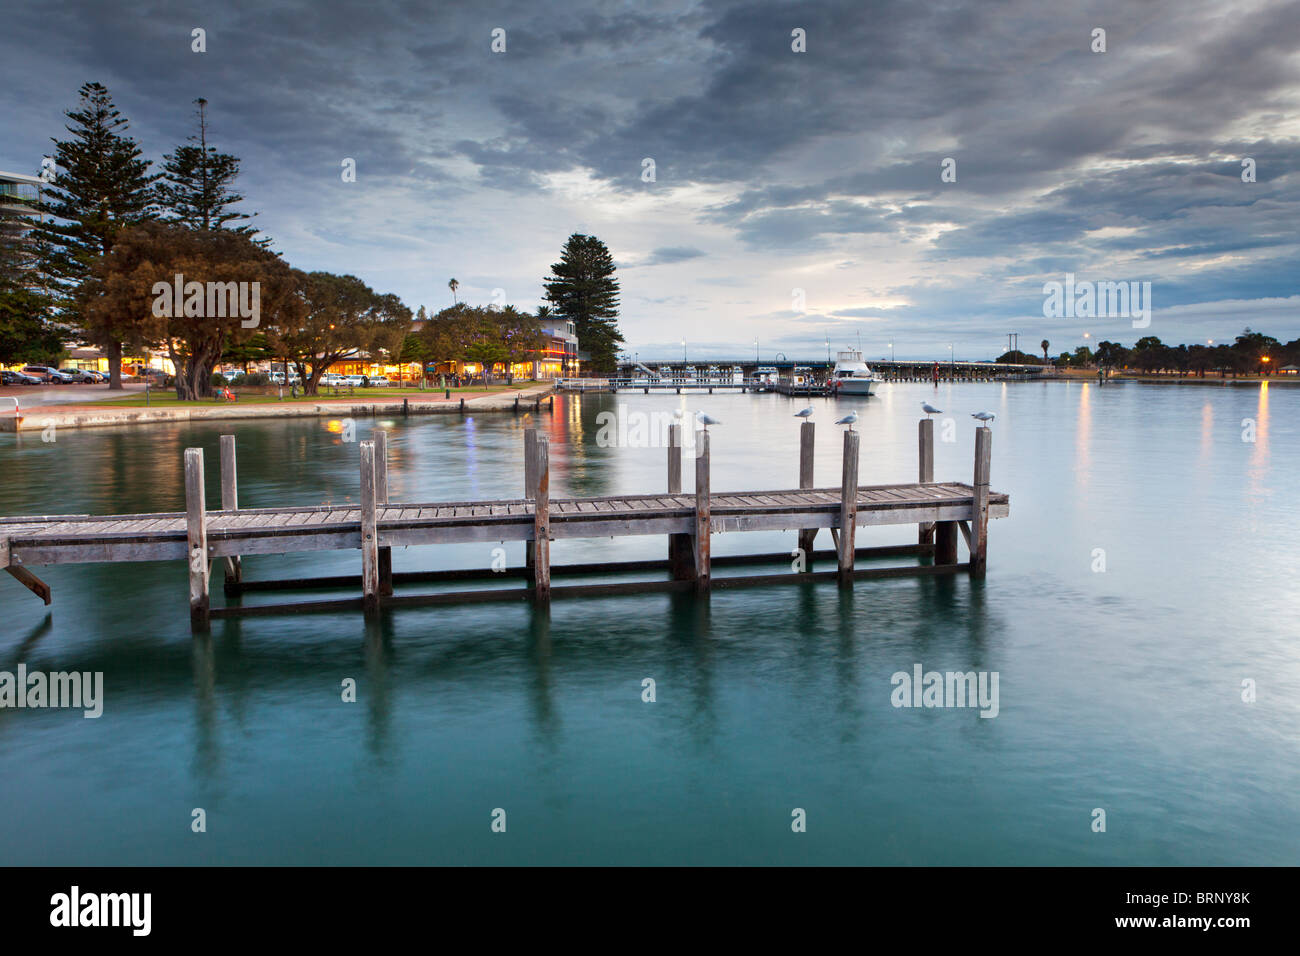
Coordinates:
582 288
101 186
196 187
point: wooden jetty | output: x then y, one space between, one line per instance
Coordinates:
201 538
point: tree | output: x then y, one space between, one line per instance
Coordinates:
1252 350
101 186
341 317
453 285
521 334
1111 354
390 336
26 334
229 282
197 183
1044 345
582 288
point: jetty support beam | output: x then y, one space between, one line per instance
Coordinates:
530 483
807 536
31 582
381 499
702 516
230 502
848 508
979 525
369 530
542 522
196 535
925 472
681 549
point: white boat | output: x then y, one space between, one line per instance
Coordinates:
851 375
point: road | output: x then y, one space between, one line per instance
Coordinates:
30 396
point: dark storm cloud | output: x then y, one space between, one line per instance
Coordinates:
1123 164
667 255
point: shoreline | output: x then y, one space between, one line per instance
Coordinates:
106 415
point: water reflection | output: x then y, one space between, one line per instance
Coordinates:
1083 439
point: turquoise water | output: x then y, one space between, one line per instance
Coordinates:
1119 690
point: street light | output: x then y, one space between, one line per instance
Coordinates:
683 351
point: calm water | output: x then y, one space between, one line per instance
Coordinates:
1120 690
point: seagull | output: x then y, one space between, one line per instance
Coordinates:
848 419
806 413
983 416
930 409
705 420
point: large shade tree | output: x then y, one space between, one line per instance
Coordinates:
231 290
342 317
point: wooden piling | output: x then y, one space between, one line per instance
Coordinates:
369 530
807 536
945 542
925 471
381 499
542 522
230 502
196 534
702 518
848 508
674 459
530 482
979 525
681 549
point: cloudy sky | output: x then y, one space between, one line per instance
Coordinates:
774 170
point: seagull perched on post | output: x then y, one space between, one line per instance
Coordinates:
806 413
983 416
706 420
930 409
848 419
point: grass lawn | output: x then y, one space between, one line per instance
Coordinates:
166 398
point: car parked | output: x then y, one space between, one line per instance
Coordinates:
354 380
17 378
333 379
51 376
81 376
379 381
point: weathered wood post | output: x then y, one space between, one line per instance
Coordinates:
925 471
848 508
381 499
369 530
196 535
674 459
542 522
807 536
979 525
945 542
702 519
530 482
230 502
681 547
